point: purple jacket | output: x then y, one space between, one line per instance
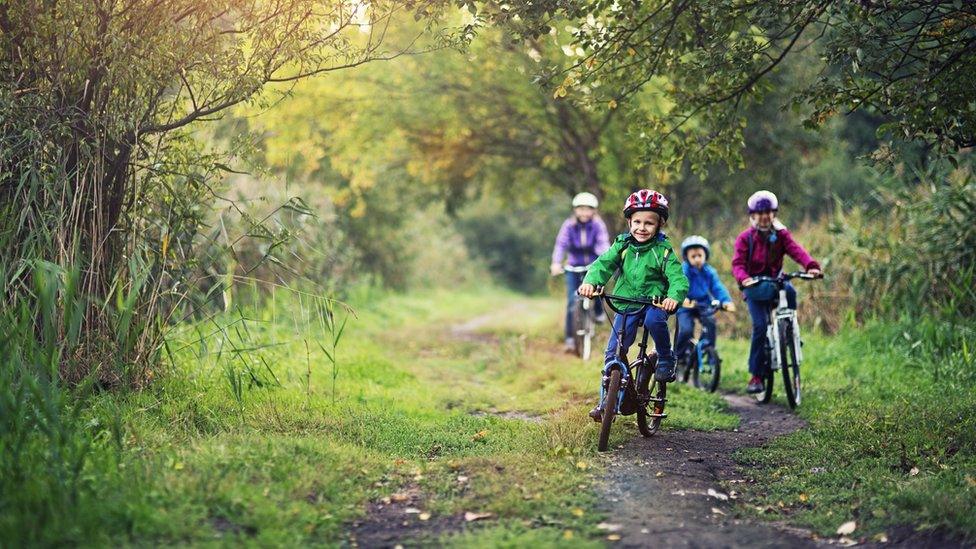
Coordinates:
767 257
582 242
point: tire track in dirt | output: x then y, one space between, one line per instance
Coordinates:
667 490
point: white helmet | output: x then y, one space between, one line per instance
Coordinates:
763 201
586 199
695 241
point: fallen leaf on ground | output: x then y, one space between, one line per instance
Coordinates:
399 497
614 537
717 511
659 474
609 527
424 516
567 534
847 528
471 517
411 510
480 435
913 472
717 495
804 498
582 464
577 512
846 542
880 537
462 479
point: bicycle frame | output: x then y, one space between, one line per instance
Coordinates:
626 374
781 312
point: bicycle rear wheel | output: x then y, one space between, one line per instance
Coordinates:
791 368
649 422
710 370
609 409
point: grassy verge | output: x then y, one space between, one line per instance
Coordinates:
892 435
253 436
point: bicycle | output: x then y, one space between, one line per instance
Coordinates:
701 364
783 337
619 394
584 320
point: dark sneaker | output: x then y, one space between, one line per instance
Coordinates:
597 413
664 372
755 385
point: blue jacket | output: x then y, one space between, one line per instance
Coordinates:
704 284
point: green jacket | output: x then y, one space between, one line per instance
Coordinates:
646 270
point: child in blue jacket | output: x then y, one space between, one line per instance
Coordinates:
704 286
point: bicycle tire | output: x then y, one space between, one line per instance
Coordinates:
660 392
791 370
579 320
609 409
710 382
685 368
589 329
766 394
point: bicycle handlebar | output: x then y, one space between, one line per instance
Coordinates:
786 277
654 301
714 306
570 269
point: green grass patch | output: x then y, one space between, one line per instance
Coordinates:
252 435
891 438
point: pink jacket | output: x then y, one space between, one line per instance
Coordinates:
767 253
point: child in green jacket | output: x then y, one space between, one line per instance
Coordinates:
648 268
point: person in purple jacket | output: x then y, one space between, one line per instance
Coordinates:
581 239
759 251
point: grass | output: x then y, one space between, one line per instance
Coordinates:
241 440
891 439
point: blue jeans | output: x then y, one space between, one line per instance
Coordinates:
656 321
686 327
759 311
573 282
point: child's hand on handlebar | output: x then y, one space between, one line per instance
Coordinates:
815 272
688 303
728 306
669 305
587 290
748 282
555 269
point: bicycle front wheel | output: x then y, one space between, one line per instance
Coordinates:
609 409
791 367
648 423
709 371
579 327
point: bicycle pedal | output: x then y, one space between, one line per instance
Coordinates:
661 416
655 399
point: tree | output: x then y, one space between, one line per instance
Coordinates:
96 170
910 61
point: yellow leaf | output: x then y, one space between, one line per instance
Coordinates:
165 244
581 464
631 52
178 466
480 435
804 498
567 534
560 92
424 516
577 512
847 528
612 104
614 537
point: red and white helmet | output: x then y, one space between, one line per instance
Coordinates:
646 200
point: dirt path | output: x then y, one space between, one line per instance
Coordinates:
667 490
